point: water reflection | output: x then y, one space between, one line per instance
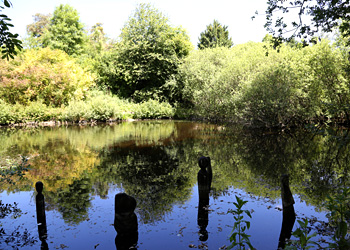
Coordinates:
155 162
40 215
153 175
125 222
204 178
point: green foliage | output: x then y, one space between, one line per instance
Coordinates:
37 29
338 207
8 114
97 106
97 38
330 80
65 31
303 239
46 75
148 54
153 109
39 26
285 88
206 82
38 112
102 107
9 42
324 15
215 35
238 237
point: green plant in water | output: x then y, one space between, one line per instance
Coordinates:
303 239
239 239
338 207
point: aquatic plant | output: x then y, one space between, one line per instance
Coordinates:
338 207
303 239
238 237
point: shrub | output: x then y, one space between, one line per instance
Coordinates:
288 87
46 75
153 109
7 113
76 111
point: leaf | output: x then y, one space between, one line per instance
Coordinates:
7 4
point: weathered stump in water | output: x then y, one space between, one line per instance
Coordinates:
204 179
40 214
205 165
125 222
288 212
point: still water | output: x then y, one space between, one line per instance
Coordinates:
156 162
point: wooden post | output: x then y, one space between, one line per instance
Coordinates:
40 214
204 179
125 222
288 219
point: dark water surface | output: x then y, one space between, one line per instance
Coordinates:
83 168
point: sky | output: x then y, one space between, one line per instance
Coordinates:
192 15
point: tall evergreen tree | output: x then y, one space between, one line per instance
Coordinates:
65 31
215 35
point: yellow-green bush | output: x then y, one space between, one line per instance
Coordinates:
46 75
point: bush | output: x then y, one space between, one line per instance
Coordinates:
288 87
45 75
8 114
98 106
76 111
153 109
277 93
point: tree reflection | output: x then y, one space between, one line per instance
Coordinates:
158 165
72 202
153 175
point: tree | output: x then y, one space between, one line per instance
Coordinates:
39 26
97 39
324 16
215 35
8 41
37 29
65 31
148 54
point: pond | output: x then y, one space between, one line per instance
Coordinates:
156 162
